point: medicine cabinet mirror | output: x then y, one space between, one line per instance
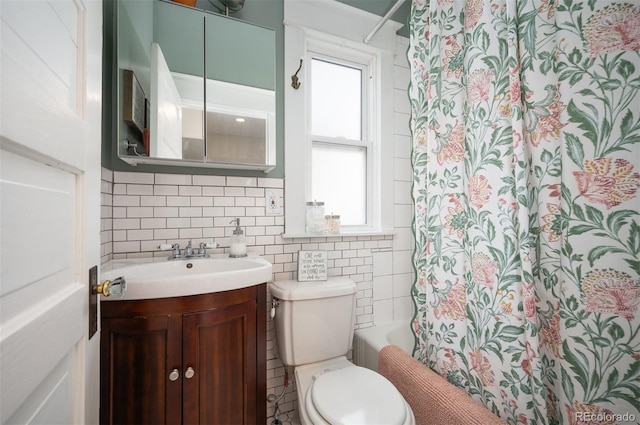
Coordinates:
195 88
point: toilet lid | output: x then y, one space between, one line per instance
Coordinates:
355 395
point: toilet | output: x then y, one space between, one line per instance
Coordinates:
314 325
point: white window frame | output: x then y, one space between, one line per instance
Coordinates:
302 42
366 63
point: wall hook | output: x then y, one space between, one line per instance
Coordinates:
295 83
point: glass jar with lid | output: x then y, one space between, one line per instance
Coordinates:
332 223
314 222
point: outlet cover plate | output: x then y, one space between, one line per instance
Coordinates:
272 202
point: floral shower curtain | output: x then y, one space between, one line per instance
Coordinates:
526 162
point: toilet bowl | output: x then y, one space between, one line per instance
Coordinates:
314 325
338 392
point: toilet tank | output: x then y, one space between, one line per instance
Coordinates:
314 321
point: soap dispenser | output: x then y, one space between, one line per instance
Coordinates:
238 247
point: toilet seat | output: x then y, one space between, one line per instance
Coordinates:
355 395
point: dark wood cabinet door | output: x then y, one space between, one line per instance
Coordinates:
138 355
220 348
215 342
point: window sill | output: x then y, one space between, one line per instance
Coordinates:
338 235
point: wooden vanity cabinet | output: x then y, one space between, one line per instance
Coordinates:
189 360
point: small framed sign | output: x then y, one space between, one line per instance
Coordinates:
133 101
312 265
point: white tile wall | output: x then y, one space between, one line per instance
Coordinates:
143 210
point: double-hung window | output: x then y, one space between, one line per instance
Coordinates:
341 142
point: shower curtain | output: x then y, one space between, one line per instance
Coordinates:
526 165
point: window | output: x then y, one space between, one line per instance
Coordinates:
340 149
338 131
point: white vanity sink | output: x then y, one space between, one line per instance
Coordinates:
162 278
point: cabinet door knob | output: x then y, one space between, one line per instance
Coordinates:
189 373
174 375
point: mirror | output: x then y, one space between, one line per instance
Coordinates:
170 113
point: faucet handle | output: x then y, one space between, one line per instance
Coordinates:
202 249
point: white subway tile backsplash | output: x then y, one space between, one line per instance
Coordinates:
273 249
173 179
153 201
201 201
126 223
209 180
165 212
234 212
165 190
269 182
131 177
212 211
255 211
106 175
192 233
119 235
139 235
153 223
139 189
254 192
119 189
165 234
245 202
190 212
242 181
130 246
224 201
190 190
119 212
234 191
275 231
126 201
214 191
178 222
106 187
202 222
255 231
139 212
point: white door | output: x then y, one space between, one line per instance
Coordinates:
50 117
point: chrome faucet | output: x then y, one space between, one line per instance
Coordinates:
188 252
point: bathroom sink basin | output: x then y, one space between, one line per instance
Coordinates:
161 278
